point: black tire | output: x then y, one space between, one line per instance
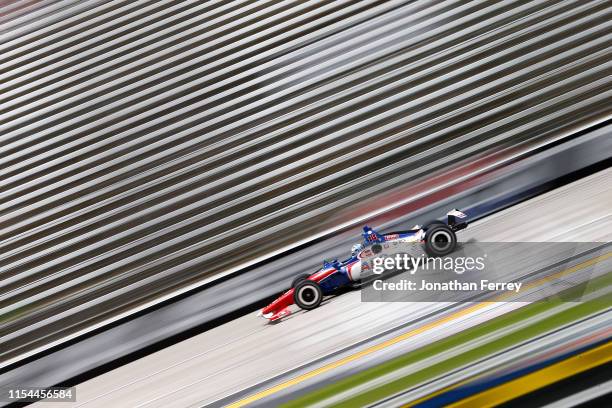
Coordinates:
432 223
440 240
298 279
308 295
377 248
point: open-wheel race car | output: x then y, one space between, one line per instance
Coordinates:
307 291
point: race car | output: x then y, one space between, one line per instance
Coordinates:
438 238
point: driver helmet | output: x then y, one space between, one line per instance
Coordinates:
356 249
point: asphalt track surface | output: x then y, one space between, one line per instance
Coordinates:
247 356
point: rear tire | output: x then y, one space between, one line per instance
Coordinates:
433 223
440 240
298 279
308 295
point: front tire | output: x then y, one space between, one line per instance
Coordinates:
440 240
298 279
308 295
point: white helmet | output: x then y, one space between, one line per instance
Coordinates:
356 249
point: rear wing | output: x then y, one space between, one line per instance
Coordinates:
456 219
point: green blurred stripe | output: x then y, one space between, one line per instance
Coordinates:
480 331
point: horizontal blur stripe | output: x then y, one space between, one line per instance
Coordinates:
453 316
472 385
356 356
531 382
148 147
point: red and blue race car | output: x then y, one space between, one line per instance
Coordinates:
438 238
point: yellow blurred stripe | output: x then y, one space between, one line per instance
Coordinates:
411 333
358 355
546 376
533 284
